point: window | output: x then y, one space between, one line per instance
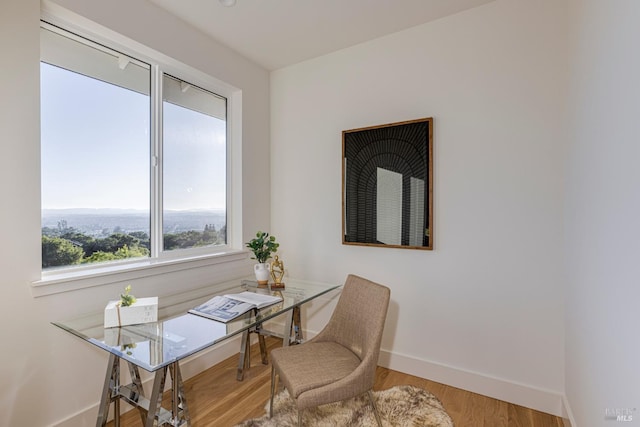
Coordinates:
133 158
194 166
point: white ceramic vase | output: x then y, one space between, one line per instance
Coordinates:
262 273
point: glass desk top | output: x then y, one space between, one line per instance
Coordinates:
152 346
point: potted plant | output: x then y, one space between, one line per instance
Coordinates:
127 299
262 246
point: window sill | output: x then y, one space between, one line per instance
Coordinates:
71 281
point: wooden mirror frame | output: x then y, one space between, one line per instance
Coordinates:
396 159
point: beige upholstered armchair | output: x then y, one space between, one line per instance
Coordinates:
340 362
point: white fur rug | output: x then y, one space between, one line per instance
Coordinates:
400 406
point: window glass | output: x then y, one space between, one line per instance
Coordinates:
194 166
131 169
95 150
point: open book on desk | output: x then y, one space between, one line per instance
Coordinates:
227 307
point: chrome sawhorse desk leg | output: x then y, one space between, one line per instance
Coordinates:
150 410
244 361
292 335
293 328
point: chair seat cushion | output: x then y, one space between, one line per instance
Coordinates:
311 365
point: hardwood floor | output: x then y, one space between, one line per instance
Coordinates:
216 399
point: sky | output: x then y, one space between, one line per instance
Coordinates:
96 141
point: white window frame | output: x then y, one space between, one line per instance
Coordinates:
62 280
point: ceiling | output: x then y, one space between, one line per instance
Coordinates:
278 33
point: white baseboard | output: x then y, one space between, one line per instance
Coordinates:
539 399
567 417
543 400
521 394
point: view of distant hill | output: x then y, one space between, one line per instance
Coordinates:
102 222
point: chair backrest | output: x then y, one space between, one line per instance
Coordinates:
358 319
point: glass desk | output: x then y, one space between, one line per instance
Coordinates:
158 347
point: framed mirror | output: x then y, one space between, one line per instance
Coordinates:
387 182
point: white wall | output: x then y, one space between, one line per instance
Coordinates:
49 377
484 309
602 212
